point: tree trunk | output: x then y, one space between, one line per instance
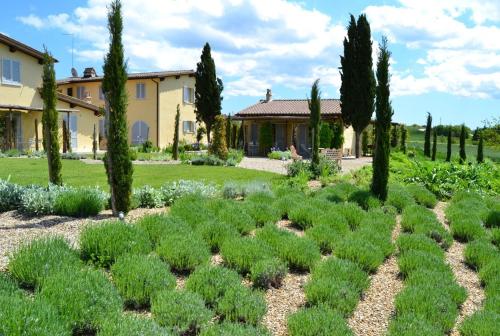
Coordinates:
357 144
36 135
209 128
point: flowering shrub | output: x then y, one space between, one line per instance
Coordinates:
174 190
10 195
148 197
37 201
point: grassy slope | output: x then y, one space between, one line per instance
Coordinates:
416 140
76 173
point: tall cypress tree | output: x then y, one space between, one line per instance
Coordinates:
49 119
175 146
208 89
428 130
241 135
480 155
234 136
315 120
229 129
384 112
357 92
463 156
404 136
219 146
394 136
434 145
448 147
118 161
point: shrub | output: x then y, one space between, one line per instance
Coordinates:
304 215
131 326
326 236
413 261
376 235
262 212
480 323
422 195
479 253
417 219
268 273
183 252
236 216
467 228
418 242
10 195
490 273
85 298
184 209
231 190
317 321
139 277
495 237
365 199
149 197
286 203
83 202
339 296
36 260
412 325
351 212
241 304
38 201
493 219
174 190
360 251
103 243
339 270
338 193
298 167
442 281
215 233
279 155
212 282
20 316
242 253
161 225
181 311
8 286
399 197
233 329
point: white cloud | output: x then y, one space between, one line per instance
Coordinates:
32 20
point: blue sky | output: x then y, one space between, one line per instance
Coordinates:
446 53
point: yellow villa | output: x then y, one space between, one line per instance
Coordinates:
153 98
21 104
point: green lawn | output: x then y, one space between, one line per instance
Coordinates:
76 173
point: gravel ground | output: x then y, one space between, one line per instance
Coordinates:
374 311
287 225
465 276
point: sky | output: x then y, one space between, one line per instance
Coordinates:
445 54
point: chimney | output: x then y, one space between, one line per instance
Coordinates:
89 73
269 96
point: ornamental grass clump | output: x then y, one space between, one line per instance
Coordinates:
212 282
233 329
418 219
242 253
413 325
418 242
415 260
422 195
352 212
268 273
33 262
192 209
399 197
262 211
215 233
481 323
236 216
39 201
159 226
103 243
317 321
241 304
184 252
139 277
338 193
81 202
172 191
182 312
84 298
326 236
365 199
305 214
8 286
480 253
286 203
127 325
358 250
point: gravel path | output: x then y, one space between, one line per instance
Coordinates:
287 225
373 313
465 276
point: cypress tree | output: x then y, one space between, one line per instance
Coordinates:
228 131
364 143
37 147
208 89
200 132
94 143
315 120
357 92
118 161
428 130
240 141
219 146
463 156
394 136
448 148
175 146
234 136
434 145
338 134
384 112
49 119
64 136
404 136
480 156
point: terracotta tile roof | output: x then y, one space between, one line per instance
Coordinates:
16 45
77 102
289 107
138 75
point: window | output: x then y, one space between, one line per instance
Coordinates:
140 91
101 93
188 95
140 132
11 71
188 126
80 92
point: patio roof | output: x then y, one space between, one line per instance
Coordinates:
288 108
27 109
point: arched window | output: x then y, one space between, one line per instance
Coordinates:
140 132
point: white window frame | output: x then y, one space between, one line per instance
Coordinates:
82 95
11 81
188 95
190 129
140 91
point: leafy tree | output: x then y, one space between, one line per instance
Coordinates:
200 132
404 138
175 146
219 147
315 120
394 136
266 138
384 112
234 136
208 89
49 119
338 134
476 135
448 147
434 145
325 135
428 130
228 130
480 156
94 143
118 161
357 92
364 142
463 156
